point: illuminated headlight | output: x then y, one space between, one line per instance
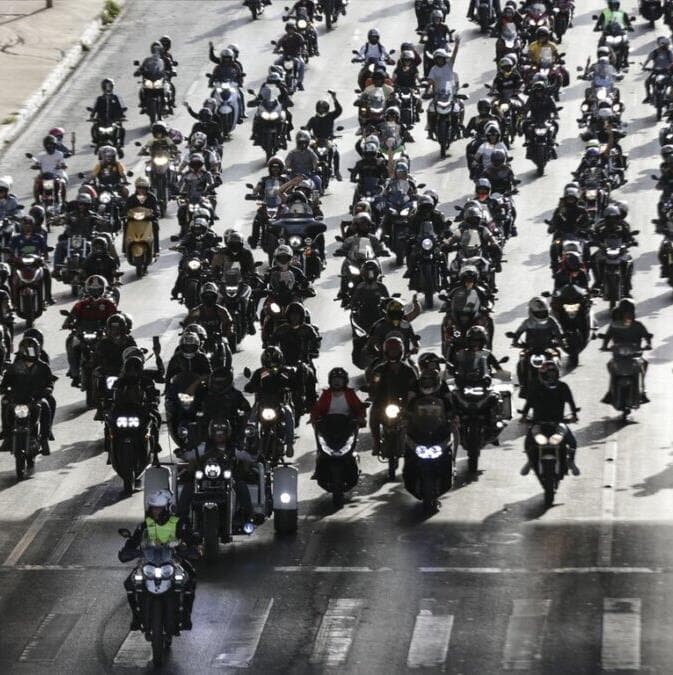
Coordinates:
137 578
212 470
613 251
288 64
21 411
285 498
160 160
591 194
336 451
504 107
158 84
48 184
428 452
585 107
571 309
474 391
248 528
148 84
536 360
127 422
295 241
540 439
179 577
404 212
149 570
231 290
105 198
601 94
185 400
350 284
193 265
138 215
106 130
198 475
555 439
227 474
110 381
274 307
26 261
301 24
617 108
392 411
354 270
540 131
427 244
268 414
76 242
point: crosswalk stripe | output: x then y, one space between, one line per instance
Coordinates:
46 642
134 652
621 634
525 633
432 633
335 635
243 633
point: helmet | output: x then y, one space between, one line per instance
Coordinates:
433 195
48 140
571 191
322 107
604 114
469 272
407 55
393 349
362 218
429 361
219 430
234 240
538 86
613 4
116 326
542 32
159 506
505 63
234 48
369 149
476 337
538 309
5 184
393 111
159 129
440 54
483 184
196 160
189 344
37 213
132 352
295 310
5 271
165 41
401 167
84 198
379 75
492 130
498 157
549 374
370 270
94 286
663 41
34 333
437 14
572 262
208 293
107 153
472 215
592 154
107 84
623 208
425 202
429 382
302 137
272 357
290 26
373 34
666 150
227 54
29 348
282 255
156 47
198 139
394 311
483 106
142 182
612 211
626 307
276 161
363 207
274 77
28 221
198 330
603 50
220 379
57 133
337 378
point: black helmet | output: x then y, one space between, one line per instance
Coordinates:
219 430
373 34
498 157
99 245
393 349
394 311
272 357
370 270
337 378
626 308
322 107
166 42
612 211
220 380
94 286
29 349
295 314
159 129
476 337
107 85
208 293
429 361
429 382
572 263
48 141
483 106
116 326
362 222
133 367
549 374
538 308
34 333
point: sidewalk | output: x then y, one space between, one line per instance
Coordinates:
33 40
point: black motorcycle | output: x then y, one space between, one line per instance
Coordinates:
24 433
336 467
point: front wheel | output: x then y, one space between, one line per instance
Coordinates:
393 463
429 496
20 461
211 533
285 521
548 484
157 633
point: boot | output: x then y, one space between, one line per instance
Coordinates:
44 443
525 469
289 451
571 464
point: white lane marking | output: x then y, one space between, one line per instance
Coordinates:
27 538
432 634
243 634
621 634
134 652
303 569
47 640
609 487
525 633
335 635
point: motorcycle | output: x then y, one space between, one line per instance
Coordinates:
371 108
304 236
336 466
182 419
400 208
351 267
269 125
614 36
236 296
109 210
564 12
535 16
330 10
256 8
625 378
161 171
139 239
362 318
615 254
407 100
160 584
651 10
155 94
128 437
666 248
393 423
485 15
530 362
27 285
571 306
426 277
24 434
107 134
541 145
449 113
226 94
509 43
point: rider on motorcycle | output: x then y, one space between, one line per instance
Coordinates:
662 62
612 14
541 46
292 44
29 242
108 109
302 161
50 161
109 171
539 109
321 125
9 204
441 74
614 226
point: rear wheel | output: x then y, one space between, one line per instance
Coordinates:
157 633
128 485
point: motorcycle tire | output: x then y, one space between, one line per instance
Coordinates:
20 463
338 500
429 300
328 20
90 393
253 11
128 485
549 485
429 497
140 270
285 521
74 290
158 642
393 463
211 533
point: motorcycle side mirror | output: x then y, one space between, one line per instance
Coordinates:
601 336
392 51
124 532
339 238
635 232
258 263
273 42
653 177
465 86
420 186
89 109
594 17
50 249
80 175
29 155
246 373
504 359
137 143
488 86
547 221
357 91
562 54
252 92
339 128
287 9
64 312
136 63
175 237
580 69
396 295
129 173
509 334
458 208
545 294
356 52
250 186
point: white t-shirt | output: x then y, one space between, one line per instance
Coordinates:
338 405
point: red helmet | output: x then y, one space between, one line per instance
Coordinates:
57 132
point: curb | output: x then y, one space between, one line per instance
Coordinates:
73 57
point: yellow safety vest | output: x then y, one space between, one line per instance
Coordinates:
162 534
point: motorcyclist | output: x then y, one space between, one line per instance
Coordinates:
612 226
370 291
371 166
302 161
571 272
59 134
321 126
437 34
31 242
440 76
160 143
570 216
188 358
624 329
207 123
80 220
273 385
391 380
28 379
393 321
374 49
292 44
160 526
542 47
539 109
309 32
474 4
339 399
234 252
662 62
152 68
109 171
425 212
549 404
144 198
213 317
284 273
478 124
508 83
50 161
109 109
473 220
501 176
406 71
9 204
482 157
612 14
99 261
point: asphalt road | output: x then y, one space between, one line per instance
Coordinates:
493 581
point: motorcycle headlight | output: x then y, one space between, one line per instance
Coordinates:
295 241
167 571
504 107
301 24
148 571
105 198
555 439
227 474
272 116
540 439
540 131
76 242
193 265
138 215
106 130
110 381
134 422
275 308
591 194
617 108
613 251
158 84
585 107
48 184
572 308
148 84
427 244
355 271
212 470
160 160
265 115
428 452
185 400
122 422
404 212
21 411
268 414
392 411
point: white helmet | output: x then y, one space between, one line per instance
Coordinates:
161 499
5 183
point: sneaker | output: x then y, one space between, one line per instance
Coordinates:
525 469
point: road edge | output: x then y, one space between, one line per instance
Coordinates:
92 34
